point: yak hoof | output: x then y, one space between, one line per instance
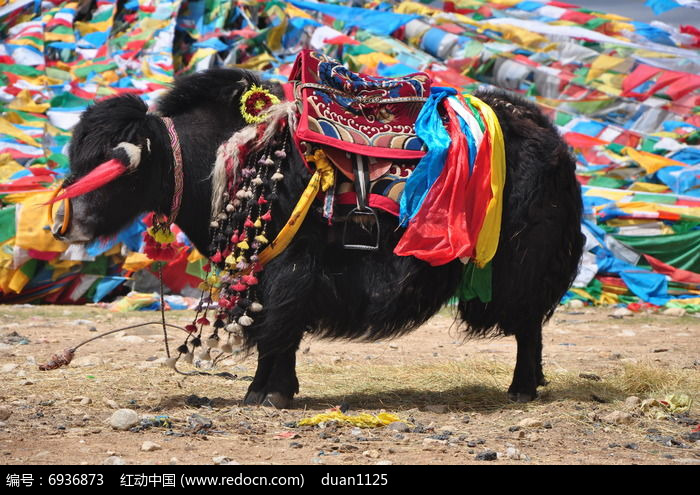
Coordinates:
273 399
521 397
277 400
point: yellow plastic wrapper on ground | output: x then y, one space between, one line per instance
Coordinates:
363 420
671 404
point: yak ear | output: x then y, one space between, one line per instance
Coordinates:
129 154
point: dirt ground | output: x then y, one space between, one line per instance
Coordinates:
449 393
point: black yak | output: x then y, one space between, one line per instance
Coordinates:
316 285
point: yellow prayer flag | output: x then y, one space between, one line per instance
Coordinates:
649 161
33 229
25 103
10 130
601 64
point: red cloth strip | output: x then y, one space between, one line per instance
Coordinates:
676 274
101 175
448 223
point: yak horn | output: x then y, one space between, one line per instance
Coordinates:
133 152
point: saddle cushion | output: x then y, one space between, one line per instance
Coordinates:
372 116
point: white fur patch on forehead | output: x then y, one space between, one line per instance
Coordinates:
132 151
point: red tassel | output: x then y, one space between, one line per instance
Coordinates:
191 328
249 223
239 287
262 200
249 280
266 217
217 258
207 268
101 175
203 321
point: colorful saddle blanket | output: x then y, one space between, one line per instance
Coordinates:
357 113
450 199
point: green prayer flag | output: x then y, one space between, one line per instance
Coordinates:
678 250
7 223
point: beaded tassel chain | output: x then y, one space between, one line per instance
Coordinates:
238 232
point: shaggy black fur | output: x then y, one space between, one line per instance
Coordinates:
317 286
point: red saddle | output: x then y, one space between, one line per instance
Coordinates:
348 113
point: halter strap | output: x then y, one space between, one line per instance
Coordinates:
177 168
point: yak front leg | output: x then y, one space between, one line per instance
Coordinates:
275 381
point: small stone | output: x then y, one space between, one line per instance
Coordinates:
436 408
656 351
576 304
618 418
383 463
295 445
110 403
86 323
132 339
123 419
27 382
673 312
590 376
222 460
530 423
8 368
336 360
372 454
199 423
86 361
173 461
632 402
399 426
113 460
434 441
149 446
622 312
393 346
487 455
5 412
631 446
513 453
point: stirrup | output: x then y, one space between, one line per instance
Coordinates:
359 212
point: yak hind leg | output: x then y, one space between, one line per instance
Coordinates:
275 381
528 373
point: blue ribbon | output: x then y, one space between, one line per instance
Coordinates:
429 128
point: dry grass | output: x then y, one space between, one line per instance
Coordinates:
469 385
480 385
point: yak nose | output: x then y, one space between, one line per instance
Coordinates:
68 229
58 218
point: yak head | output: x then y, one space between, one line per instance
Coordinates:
120 129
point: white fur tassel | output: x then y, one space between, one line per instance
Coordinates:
245 135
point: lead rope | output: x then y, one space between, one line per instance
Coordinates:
162 311
174 210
